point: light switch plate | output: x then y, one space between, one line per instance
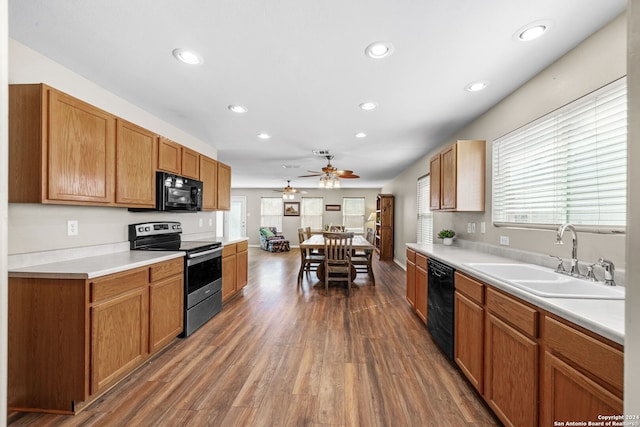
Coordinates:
483 228
504 240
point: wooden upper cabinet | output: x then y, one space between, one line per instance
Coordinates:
209 178
61 150
190 163
224 187
169 156
457 177
136 159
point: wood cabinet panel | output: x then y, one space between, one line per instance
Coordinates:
136 159
81 151
469 339
209 178
421 291
115 284
511 373
166 269
471 288
114 353
166 311
242 264
190 163
411 278
434 183
169 156
518 314
229 271
384 226
448 178
224 187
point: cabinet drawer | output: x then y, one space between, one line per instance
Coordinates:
471 288
514 312
116 284
421 261
597 357
411 256
242 246
229 250
166 269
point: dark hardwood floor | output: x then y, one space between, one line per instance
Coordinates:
281 356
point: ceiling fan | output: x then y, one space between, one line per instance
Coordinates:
329 177
288 192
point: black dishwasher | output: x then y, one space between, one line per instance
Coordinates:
440 304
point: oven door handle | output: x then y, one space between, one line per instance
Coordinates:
199 257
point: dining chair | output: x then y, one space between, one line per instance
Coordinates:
309 261
362 259
307 235
337 259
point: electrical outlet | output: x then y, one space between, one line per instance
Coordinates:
469 228
483 228
200 222
473 227
504 240
72 228
210 222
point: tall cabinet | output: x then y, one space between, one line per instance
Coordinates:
384 226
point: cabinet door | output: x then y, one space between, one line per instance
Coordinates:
511 373
449 173
421 287
166 310
169 156
209 178
81 149
228 276
224 187
434 183
469 339
411 281
119 332
571 395
136 150
190 163
242 265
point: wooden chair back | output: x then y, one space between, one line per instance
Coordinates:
337 246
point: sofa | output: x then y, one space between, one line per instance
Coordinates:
272 240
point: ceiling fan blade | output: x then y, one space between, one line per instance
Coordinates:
307 176
343 172
349 176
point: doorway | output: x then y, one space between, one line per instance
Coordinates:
236 218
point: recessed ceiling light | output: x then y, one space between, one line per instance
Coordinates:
367 106
476 86
532 31
361 135
377 50
188 56
263 135
237 109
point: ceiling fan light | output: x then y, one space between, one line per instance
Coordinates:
336 182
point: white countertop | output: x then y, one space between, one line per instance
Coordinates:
604 317
95 266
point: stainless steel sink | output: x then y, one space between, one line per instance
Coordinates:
545 282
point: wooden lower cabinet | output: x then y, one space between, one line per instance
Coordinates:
469 329
421 287
70 340
235 264
411 278
582 377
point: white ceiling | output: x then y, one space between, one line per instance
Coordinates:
299 67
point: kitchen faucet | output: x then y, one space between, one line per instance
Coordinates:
574 251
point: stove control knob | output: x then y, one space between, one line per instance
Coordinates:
147 228
140 229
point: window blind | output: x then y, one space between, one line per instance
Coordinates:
567 167
271 212
353 214
311 212
425 216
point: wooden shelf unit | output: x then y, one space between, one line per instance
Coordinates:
384 226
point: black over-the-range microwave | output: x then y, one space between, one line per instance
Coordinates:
176 193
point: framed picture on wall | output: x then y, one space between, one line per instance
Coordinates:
291 208
332 208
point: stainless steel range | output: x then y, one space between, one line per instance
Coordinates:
202 268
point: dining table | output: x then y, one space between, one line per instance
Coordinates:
359 243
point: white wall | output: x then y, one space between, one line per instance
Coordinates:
597 61
290 224
37 227
632 314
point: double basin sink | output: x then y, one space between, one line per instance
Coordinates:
547 283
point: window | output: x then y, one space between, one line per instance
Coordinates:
566 167
311 213
425 216
271 212
353 214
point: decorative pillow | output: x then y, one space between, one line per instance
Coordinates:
266 232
